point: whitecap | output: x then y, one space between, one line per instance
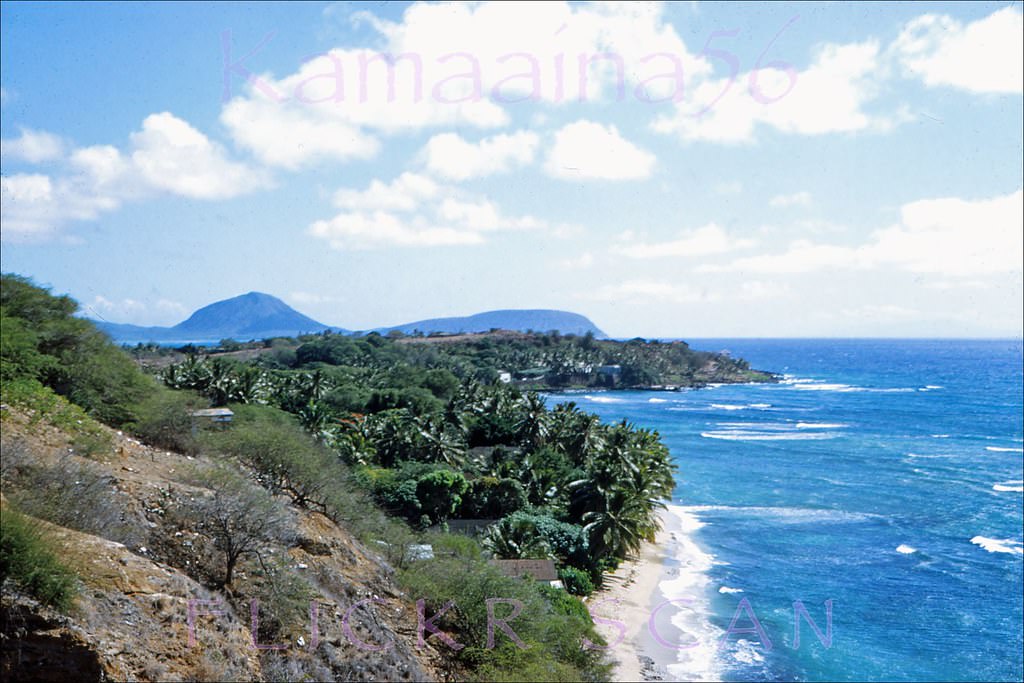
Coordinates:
603 399
760 406
789 514
656 400
1001 449
1013 485
726 589
728 406
744 435
825 386
693 612
905 549
940 436
746 652
995 545
820 425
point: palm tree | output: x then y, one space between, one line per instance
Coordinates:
534 425
514 539
438 443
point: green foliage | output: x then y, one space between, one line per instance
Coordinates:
440 493
491 498
46 406
42 340
551 630
524 535
29 558
576 581
164 420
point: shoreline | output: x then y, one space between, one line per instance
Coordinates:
632 594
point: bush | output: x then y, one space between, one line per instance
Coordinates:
551 626
29 558
44 341
164 420
239 516
69 493
46 406
576 581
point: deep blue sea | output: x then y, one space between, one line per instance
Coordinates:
883 475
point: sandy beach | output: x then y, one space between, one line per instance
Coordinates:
629 595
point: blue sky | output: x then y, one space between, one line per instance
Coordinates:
690 169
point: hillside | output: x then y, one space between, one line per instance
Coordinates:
131 617
250 316
283 508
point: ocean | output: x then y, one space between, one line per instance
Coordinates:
882 476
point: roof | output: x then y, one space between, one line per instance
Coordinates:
212 412
541 570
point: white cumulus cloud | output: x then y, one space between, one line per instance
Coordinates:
33 146
946 236
450 156
588 150
983 56
705 240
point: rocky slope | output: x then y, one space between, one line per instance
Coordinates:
131 619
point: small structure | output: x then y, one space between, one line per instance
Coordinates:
419 551
504 376
214 416
473 528
609 375
538 570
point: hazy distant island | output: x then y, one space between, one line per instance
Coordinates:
535 349
262 316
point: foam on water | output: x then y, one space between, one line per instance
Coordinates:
1002 449
688 589
905 549
1014 485
820 425
789 514
726 589
602 399
995 545
744 435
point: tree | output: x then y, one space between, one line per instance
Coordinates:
240 516
440 493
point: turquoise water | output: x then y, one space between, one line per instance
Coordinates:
882 475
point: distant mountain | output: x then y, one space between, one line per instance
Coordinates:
259 316
538 320
250 316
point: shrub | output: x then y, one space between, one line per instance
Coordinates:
576 581
164 420
29 558
239 516
68 492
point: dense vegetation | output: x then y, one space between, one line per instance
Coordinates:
379 439
431 448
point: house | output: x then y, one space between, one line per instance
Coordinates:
609 375
419 551
473 528
538 570
215 416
